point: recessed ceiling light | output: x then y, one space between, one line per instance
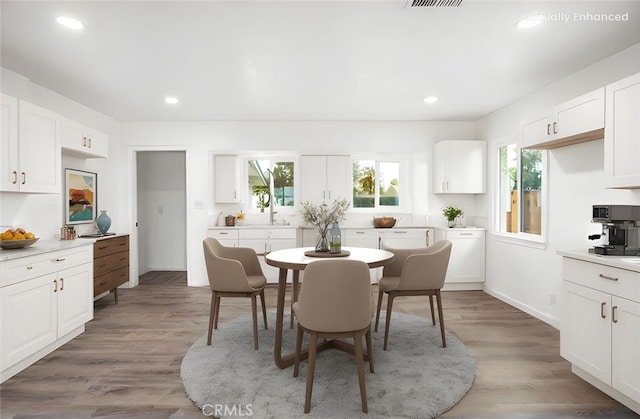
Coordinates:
171 100
430 99
530 21
71 23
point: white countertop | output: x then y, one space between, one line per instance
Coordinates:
49 245
631 263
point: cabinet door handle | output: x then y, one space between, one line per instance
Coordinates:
610 278
466 234
61 284
55 283
447 185
555 127
602 313
29 267
15 177
614 310
61 259
24 178
84 141
548 129
89 143
329 193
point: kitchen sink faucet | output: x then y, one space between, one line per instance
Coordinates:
271 197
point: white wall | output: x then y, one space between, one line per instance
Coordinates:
161 211
44 213
201 139
524 276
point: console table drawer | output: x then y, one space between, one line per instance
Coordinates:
109 263
109 246
111 280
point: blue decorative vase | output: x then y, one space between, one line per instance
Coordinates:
103 222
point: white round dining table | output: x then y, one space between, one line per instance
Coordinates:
295 259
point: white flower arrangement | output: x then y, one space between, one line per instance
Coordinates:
324 215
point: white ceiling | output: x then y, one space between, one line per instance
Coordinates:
304 60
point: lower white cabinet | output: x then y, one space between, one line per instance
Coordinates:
45 301
263 240
600 328
467 262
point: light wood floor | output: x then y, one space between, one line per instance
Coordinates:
127 363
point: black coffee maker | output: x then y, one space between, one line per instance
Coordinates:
620 228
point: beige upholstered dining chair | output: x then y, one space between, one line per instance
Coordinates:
419 271
233 272
336 302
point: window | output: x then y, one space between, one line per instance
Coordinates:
520 185
259 177
376 184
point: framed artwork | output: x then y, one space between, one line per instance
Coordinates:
81 196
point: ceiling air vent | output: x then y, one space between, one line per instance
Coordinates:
433 3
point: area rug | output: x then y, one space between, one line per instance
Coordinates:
415 378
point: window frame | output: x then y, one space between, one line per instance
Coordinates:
403 181
519 237
275 158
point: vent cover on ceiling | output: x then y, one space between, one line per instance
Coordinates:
433 3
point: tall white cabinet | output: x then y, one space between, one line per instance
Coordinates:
325 178
622 134
600 327
459 167
30 159
227 179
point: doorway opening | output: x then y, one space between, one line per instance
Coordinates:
161 213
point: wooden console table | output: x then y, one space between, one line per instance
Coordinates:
110 264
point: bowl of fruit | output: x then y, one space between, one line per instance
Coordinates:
17 239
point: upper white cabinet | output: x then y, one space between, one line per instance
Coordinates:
575 121
325 178
82 140
227 179
459 167
31 160
622 134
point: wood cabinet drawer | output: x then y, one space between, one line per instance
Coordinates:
110 262
614 281
111 280
106 247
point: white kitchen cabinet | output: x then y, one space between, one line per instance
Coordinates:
362 237
467 262
405 238
266 240
82 140
46 300
9 173
33 163
227 236
459 167
600 327
227 179
575 121
325 178
622 134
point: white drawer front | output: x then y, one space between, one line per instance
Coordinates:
222 234
457 234
17 270
264 233
614 281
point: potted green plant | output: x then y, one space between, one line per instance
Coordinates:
452 214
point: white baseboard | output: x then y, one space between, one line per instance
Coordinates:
631 404
527 309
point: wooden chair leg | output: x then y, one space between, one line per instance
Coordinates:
299 337
387 326
369 348
360 365
311 366
217 315
380 293
294 295
433 316
254 311
441 318
264 309
211 316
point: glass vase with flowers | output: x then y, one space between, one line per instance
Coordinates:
322 217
